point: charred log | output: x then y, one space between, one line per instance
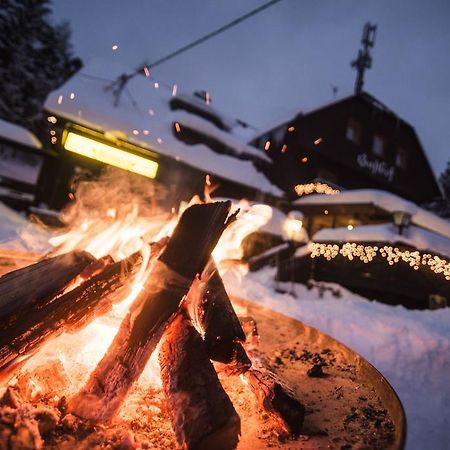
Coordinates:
185 255
212 312
42 280
202 414
277 399
22 333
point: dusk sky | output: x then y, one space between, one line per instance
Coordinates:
285 59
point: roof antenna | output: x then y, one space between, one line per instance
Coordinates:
364 59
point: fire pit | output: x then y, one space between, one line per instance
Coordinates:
292 387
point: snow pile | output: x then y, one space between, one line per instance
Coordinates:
18 134
383 200
17 233
410 347
387 233
144 116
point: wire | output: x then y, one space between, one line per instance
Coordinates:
212 34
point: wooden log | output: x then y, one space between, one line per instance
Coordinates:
185 255
201 412
276 399
23 333
39 281
213 314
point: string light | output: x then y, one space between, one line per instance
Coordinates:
393 255
52 119
319 188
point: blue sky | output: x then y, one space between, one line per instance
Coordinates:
285 59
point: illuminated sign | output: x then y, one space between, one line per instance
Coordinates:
108 154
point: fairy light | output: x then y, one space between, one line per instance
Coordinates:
318 188
267 145
51 119
392 255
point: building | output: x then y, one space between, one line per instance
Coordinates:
353 143
24 163
101 116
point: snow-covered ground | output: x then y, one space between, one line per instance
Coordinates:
411 348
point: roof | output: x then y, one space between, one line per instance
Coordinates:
412 236
16 133
383 200
144 116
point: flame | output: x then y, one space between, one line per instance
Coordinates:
250 219
116 233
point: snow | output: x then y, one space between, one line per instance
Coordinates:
142 107
384 200
18 134
17 233
413 236
410 347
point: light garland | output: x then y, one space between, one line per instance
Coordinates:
393 255
319 188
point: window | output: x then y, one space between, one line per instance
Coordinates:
353 132
401 159
378 146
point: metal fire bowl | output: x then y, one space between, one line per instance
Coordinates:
366 372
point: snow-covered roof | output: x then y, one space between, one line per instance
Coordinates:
18 134
145 117
383 200
412 236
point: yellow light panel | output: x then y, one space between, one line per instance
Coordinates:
105 153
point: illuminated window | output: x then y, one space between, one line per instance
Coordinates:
401 159
378 145
353 132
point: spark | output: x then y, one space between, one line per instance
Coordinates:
318 141
146 132
177 127
291 129
72 95
267 145
174 90
156 85
304 160
135 132
159 140
115 47
60 99
151 112
284 148
146 71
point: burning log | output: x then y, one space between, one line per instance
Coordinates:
22 333
211 310
202 414
276 399
185 255
32 284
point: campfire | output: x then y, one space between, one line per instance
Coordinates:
118 305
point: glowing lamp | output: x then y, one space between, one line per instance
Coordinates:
293 226
108 154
